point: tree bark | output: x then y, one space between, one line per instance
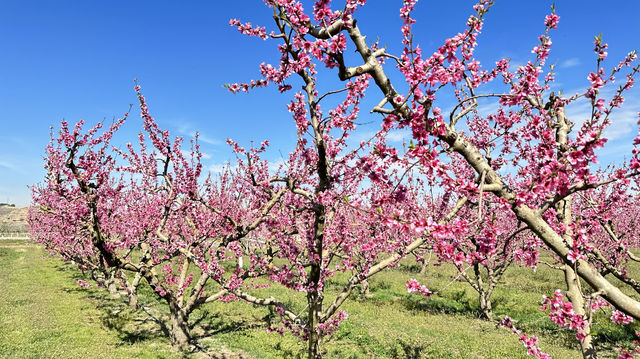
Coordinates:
484 298
423 267
366 292
179 330
314 296
133 291
314 345
110 282
106 280
314 302
133 301
577 300
484 295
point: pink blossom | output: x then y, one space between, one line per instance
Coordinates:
551 21
620 318
413 286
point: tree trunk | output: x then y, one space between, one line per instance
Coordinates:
423 268
132 289
133 300
577 300
366 293
486 312
314 301
314 296
110 283
314 345
484 295
106 280
179 330
425 263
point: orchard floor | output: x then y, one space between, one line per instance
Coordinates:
45 314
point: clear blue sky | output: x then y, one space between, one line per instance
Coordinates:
77 59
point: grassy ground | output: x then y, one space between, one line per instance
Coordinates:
45 314
395 324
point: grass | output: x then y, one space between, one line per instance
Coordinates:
46 314
395 324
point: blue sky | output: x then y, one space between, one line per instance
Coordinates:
71 59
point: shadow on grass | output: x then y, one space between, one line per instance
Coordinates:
131 326
440 305
142 325
209 324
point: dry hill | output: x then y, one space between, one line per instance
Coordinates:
12 218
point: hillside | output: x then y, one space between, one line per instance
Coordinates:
12 218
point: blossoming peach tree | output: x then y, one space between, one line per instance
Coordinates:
494 241
145 210
526 157
345 211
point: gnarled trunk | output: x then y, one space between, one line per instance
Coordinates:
364 288
486 311
110 283
179 330
424 265
133 300
314 301
313 349
106 280
133 291
484 290
315 295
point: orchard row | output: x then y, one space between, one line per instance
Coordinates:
480 191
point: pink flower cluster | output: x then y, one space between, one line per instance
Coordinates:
620 318
248 29
562 313
330 326
413 286
531 343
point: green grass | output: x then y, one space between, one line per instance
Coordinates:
395 324
44 313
